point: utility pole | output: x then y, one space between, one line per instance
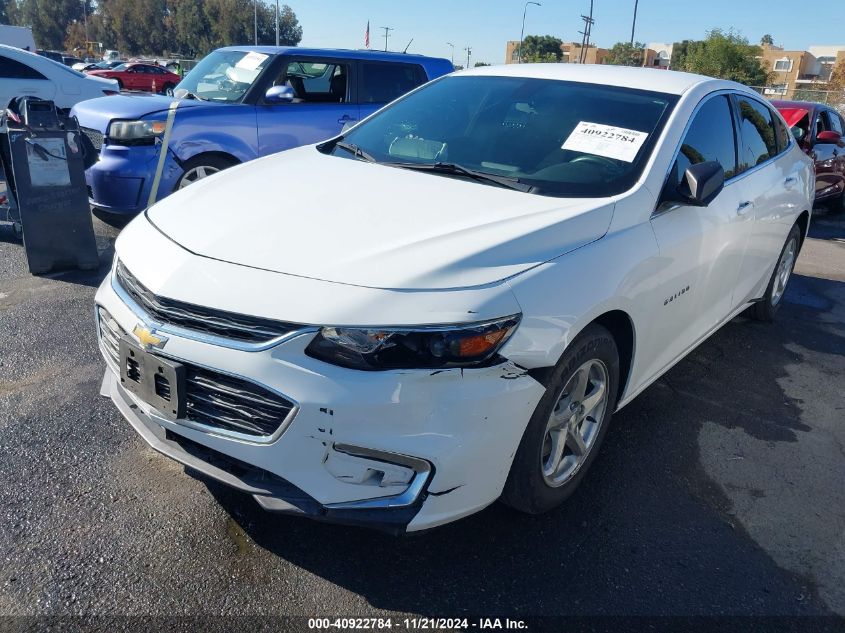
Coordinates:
387 31
634 24
85 18
585 39
277 22
453 53
468 49
255 6
522 33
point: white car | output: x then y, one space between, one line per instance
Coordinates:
444 306
26 74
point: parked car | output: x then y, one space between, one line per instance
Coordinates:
819 129
69 60
23 73
144 77
444 305
237 104
101 65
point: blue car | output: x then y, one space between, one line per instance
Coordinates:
237 104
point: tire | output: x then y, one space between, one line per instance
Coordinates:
200 167
766 309
168 89
119 84
534 486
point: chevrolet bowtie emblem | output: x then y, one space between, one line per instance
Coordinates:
148 338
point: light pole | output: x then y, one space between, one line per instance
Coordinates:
522 33
468 49
453 53
634 24
277 22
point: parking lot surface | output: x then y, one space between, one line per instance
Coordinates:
719 490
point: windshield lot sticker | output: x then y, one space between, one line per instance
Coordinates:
605 140
251 61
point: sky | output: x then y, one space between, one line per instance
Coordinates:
486 25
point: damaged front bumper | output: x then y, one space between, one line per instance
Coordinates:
391 514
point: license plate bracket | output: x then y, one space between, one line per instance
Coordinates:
157 381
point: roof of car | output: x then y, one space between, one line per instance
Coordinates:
332 52
666 81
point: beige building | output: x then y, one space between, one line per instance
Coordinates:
791 71
571 53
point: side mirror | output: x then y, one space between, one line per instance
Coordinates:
279 94
829 136
699 186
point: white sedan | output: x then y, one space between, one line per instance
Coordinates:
445 305
26 74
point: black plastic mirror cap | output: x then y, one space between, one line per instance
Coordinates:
702 183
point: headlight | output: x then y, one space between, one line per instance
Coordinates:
412 348
135 130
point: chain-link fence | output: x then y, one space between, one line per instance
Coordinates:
835 98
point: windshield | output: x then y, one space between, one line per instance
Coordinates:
560 138
224 75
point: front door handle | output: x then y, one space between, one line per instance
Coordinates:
790 180
744 207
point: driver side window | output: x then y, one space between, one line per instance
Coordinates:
710 137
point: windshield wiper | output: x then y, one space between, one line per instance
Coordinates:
453 168
356 151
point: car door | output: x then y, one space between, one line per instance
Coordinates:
18 79
826 156
701 248
324 103
379 83
771 187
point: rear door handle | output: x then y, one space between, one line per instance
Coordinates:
346 119
791 180
744 207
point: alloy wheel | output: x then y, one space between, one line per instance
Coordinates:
784 271
574 424
197 173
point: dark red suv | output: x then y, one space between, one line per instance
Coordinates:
819 129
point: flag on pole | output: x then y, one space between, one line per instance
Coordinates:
367 36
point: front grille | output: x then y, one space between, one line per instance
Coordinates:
213 399
95 136
230 325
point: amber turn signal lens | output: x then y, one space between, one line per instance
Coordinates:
157 127
481 344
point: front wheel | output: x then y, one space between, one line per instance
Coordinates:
767 307
168 89
567 428
201 167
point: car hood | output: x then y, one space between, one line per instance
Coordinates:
97 113
325 217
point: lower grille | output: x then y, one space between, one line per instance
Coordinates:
213 399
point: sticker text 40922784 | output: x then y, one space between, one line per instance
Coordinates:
605 140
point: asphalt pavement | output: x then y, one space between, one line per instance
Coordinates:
719 491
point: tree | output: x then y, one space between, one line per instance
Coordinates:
48 19
724 54
767 40
479 64
626 54
541 48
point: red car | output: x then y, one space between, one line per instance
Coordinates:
146 77
819 129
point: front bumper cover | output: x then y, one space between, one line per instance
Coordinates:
274 494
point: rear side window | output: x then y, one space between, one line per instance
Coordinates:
12 69
710 137
384 82
758 141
